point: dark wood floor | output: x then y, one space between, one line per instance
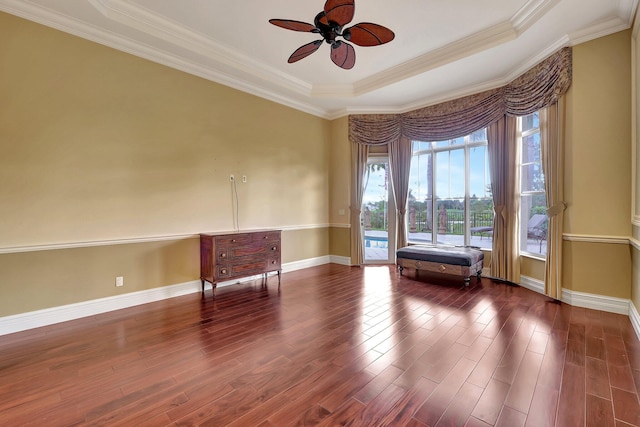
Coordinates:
334 346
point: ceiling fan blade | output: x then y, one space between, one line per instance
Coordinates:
368 34
339 11
304 51
290 24
343 55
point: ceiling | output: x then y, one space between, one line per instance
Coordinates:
443 49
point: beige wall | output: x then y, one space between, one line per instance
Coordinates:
98 145
635 282
598 167
340 188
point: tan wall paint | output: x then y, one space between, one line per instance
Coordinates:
596 268
598 135
36 280
533 268
340 241
100 145
635 178
598 166
340 172
304 244
635 288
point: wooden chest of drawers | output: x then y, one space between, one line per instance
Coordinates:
227 256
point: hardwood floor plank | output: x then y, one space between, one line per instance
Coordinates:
599 412
597 378
523 386
571 402
460 408
511 418
544 404
332 345
625 406
431 411
491 402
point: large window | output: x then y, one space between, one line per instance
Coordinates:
450 192
533 205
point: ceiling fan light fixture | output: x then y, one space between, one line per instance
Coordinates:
329 23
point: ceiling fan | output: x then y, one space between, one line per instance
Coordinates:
329 23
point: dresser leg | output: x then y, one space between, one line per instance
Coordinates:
203 286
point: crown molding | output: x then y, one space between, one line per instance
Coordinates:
245 74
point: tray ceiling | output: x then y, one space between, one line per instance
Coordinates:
442 49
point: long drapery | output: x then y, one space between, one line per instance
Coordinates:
551 130
503 164
359 154
400 165
541 86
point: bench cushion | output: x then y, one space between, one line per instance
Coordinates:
442 254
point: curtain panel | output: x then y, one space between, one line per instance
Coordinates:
551 136
537 88
541 86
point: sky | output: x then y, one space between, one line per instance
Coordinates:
449 176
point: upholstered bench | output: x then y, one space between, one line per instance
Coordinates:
458 261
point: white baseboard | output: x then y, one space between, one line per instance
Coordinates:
634 316
342 260
597 302
532 284
305 263
50 316
63 313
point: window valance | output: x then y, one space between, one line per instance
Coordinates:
537 88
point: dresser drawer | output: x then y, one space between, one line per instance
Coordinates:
232 240
228 256
266 236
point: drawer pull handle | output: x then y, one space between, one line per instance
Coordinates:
223 271
273 262
223 255
233 240
265 237
274 248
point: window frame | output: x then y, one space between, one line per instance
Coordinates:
436 147
521 135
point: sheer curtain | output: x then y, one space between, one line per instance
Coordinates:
503 164
359 154
551 135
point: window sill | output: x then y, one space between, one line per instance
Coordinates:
537 257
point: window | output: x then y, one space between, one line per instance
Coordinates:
450 198
533 203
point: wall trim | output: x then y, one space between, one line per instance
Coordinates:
634 316
133 240
582 299
635 243
532 284
342 260
64 313
589 238
340 225
596 302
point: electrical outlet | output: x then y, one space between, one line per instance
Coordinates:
231 178
119 281
244 178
